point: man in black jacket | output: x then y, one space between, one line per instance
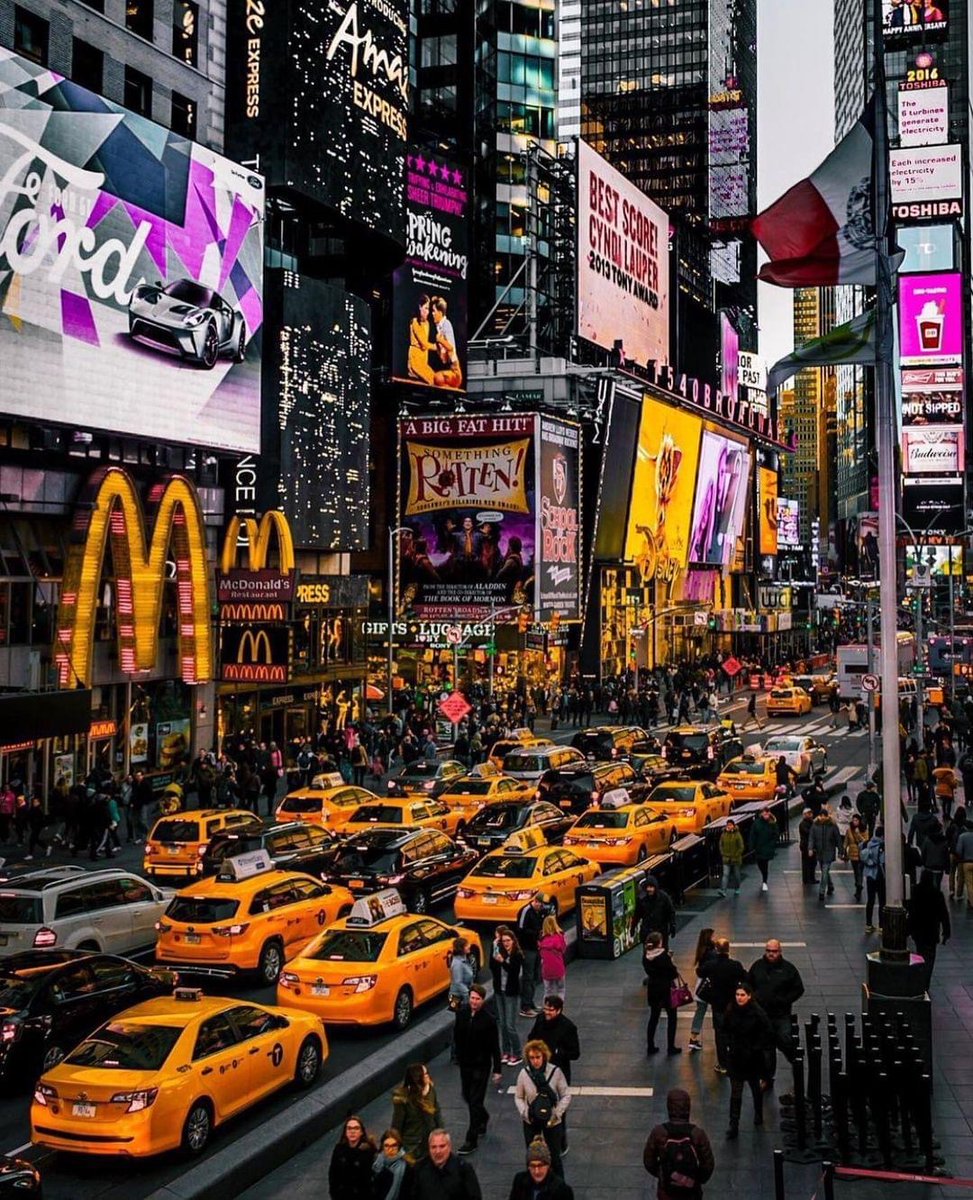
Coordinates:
530 921
655 911
560 1035
777 987
443 1176
477 1041
722 974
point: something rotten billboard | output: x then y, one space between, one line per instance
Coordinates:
429 306
467 515
559 527
131 265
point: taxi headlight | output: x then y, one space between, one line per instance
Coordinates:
288 979
231 930
361 983
44 1092
136 1101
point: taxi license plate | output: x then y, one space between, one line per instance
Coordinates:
484 842
193 939
740 786
565 803
687 753
172 849
594 845
83 1110
490 899
356 883
320 989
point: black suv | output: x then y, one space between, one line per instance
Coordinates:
702 751
293 846
573 789
53 999
492 825
424 865
607 743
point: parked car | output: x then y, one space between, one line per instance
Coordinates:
423 865
701 750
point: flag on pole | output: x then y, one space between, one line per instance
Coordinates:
852 343
820 232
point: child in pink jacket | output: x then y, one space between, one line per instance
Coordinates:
552 947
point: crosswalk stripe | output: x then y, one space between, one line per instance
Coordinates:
841 775
588 1090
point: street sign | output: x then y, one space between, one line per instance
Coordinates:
454 635
455 708
732 666
870 683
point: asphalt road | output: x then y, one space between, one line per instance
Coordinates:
71 1177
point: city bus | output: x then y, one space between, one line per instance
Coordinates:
852 663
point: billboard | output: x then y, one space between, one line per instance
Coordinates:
932 397
923 114
317 377
255 653
131 264
662 491
904 17
623 263
788 523
924 174
467 515
429 306
932 449
927 248
558 517
729 357
767 499
933 504
721 498
930 320
320 92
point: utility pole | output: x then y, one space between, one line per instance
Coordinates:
871 695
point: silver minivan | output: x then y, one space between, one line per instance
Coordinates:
112 911
530 762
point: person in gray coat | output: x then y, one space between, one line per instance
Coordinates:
824 842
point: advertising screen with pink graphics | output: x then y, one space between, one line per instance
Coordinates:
719 510
131 270
930 319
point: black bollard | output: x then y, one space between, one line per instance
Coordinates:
901 1085
828 1180
839 1102
814 1088
924 1121
800 1112
881 1114
779 1175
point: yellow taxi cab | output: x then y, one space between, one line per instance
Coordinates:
500 884
325 806
473 792
246 919
691 804
422 814
162 1075
177 845
516 739
749 778
374 966
620 837
788 701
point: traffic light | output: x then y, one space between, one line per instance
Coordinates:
523 621
712 624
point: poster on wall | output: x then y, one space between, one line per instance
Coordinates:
931 319
558 587
788 523
623 263
767 499
138 743
429 306
172 739
721 496
64 769
131 266
467 514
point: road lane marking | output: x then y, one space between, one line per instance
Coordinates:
844 906
760 945
636 1093
18 1150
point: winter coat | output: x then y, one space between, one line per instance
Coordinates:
928 915
526 1093
935 851
731 847
920 826
777 986
461 975
842 818
854 840
678 1125
392 1178
477 1040
454 1180
655 913
660 972
560 1035
869 802
415 1117
824 839
553 1188
804 832
552 949
873 856
750 1038
350 1171
763 838
512 966
724 973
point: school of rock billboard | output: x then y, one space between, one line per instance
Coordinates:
131 270
430 288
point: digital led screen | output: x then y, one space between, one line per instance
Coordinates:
131 264
623 263
430 288
788 523
721 496
902 18
767 499
923 114
932 449
930 320
932 397
318 411
933 504
617 469
927 248
924 174
729 357
321 93
558 518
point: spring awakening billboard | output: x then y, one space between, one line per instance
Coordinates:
429 304
131 265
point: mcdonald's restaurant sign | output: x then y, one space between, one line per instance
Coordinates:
110 508
256 592
255 653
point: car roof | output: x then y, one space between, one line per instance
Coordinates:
387 925
233 887
42 881
384 835
31 960
166 1008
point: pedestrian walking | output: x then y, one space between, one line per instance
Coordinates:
752 713
777 985
750 1041
539 1181
721 974
442 1175
560 1035
763 843
392 1173
542 1097
956 826
824 842
35 825
530 922
654 911
855 839
731 852
660 975
945 781
415 1110
964 859
869 805
552 948
842 817
873 856
350 1170
935 854
928 918
808 863
705 952
506 964
478 1055
678 1153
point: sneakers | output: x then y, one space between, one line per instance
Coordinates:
651 1050
528 1012
28 858
869 928
719 1070
514 1060
674 1050
764 887
467 1148
694 1043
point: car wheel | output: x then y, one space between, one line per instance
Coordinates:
52 1056
211 347
419 902
240 353
197 1128
271 961
402 1012
92 946
309 1059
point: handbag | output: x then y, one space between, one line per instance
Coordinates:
704 991
679 993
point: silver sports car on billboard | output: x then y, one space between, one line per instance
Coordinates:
188 319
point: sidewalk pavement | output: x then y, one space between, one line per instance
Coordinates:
608 1129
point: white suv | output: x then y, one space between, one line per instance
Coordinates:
112 911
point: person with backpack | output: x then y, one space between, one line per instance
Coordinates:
542 1097
678 1153
873 856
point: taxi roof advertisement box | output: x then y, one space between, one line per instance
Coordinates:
623 263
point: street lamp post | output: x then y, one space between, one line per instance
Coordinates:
393 534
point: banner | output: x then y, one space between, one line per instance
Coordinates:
721 495
559 524
924 174
767 499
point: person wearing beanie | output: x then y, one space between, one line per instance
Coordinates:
678 1153
539 1181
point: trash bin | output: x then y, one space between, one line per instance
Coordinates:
606 909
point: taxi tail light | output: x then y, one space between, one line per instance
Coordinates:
162 927
689 812
464 893
136 1101
361 983
522 895
43 1092
288 979
45 937
10 1031
201 851
392 880
231 930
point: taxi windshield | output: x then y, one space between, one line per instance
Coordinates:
301 804
506 867
778 744
602 820
673 793
377 859
121 1046
496 816
349 945
17 992
377 814
688 741
744 768
472 787
781 694
176 831
202 910
420 770
524 762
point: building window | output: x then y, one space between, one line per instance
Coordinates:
138 92
185 32
97 5
30 35
138 17
183 118
87 65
